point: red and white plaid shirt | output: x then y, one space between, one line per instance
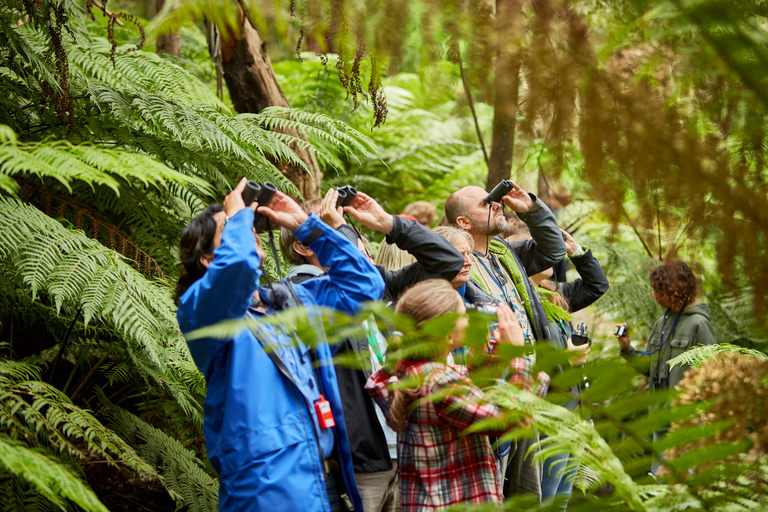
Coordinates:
438 466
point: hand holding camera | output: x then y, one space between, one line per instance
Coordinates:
622 334
370 213
509 330
515 198
330 211
578 353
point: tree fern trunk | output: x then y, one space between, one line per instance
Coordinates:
509 32
253 87
169 43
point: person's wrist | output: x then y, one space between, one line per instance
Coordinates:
228 214
298 220
387 223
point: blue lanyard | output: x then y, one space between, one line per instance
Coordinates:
663 326
498 283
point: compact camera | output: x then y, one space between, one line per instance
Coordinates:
263 194
620 330
347 195
503 188
483 307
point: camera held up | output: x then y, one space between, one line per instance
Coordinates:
503 188
263 194
347 195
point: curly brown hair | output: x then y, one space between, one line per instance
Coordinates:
675 280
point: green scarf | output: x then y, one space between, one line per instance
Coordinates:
507 259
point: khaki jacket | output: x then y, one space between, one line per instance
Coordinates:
694 328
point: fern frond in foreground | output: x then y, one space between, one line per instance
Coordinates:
48 477
182 470
697 356
71 268
31 410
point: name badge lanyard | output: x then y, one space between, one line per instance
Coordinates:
503 288
663 327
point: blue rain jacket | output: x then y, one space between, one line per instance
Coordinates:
260 428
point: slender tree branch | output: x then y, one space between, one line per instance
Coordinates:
64 343
88 377
106 12
632 225
468 92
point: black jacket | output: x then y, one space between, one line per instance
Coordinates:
592 285
435 257
579 293
532 256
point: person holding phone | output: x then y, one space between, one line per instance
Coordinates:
559 301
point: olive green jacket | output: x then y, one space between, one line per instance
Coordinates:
693 328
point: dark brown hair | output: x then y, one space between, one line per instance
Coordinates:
676 281
196 241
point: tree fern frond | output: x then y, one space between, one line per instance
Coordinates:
697 356
35 410
182 470
48 477
568 433
67 162
318 125
142 71
76 270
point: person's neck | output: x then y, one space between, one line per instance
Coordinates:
481 243
687 306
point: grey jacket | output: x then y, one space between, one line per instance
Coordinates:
694 328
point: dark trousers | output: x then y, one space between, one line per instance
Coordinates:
523 475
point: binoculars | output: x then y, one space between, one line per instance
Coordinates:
503 188
263 194
347 194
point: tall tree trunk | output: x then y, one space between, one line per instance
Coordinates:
253 86
169 43
508 33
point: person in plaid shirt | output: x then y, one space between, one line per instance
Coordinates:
438 465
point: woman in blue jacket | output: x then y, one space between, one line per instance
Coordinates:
263 436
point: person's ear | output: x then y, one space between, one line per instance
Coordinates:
206 260
302 250
463 222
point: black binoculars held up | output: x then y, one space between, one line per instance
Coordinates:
260 192
503 188
347 194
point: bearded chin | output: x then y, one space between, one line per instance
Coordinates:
499 227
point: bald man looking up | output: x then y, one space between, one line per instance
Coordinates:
502 269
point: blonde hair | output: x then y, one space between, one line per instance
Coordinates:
421 302
391 257
454 235
422 210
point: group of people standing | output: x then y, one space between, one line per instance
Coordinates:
287 430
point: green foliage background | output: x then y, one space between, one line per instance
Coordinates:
104 159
